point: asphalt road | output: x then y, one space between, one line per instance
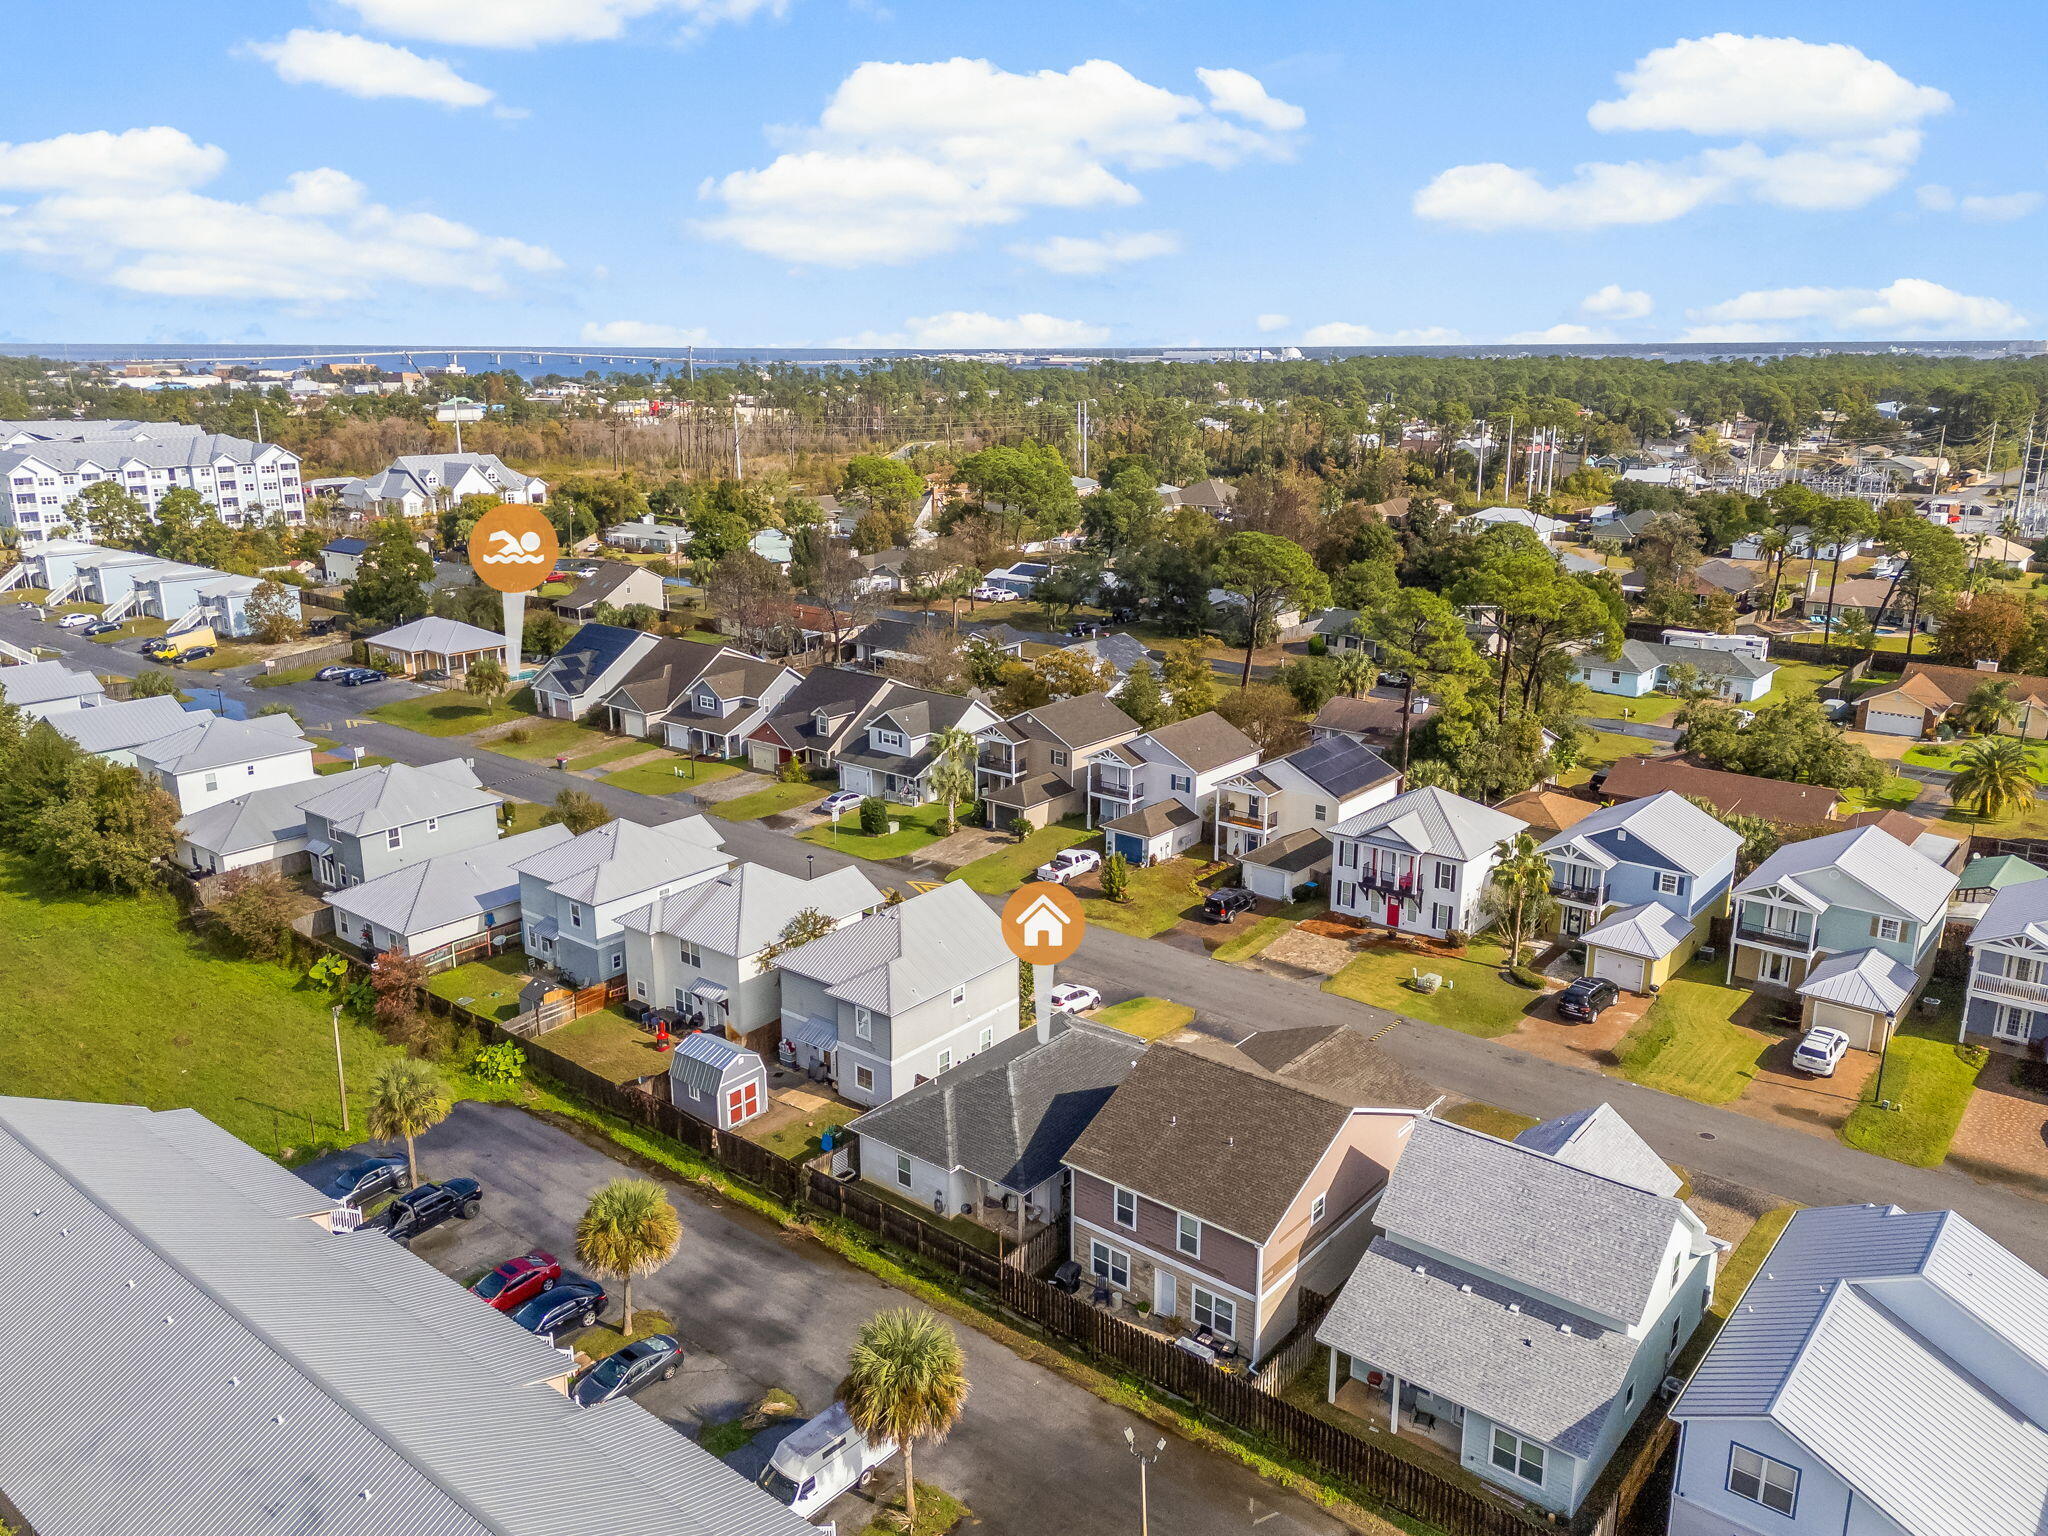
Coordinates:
755 1309
1811 1169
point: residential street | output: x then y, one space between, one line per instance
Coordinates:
1033 1453
1722 1142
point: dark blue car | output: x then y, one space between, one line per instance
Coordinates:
575 1302
653 1358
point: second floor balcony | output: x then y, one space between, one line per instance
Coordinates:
1591 893
998 759
1259 815
2032 993
1751 930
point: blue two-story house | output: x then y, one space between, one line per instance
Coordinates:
2007 1002
1848 923
573 896
1638 883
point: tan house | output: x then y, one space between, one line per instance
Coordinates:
1034 767
1923 698
1219 1180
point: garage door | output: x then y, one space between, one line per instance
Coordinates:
1892 725
1853 1022
1624 971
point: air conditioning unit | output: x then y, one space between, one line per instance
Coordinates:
1708 952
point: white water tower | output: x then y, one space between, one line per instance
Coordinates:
459 410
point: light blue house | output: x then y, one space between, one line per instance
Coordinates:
2007 1001
573 896
1848 922
1642 666
1639 882
1886 1374
1523 1301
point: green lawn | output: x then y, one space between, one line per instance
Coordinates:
1602 749
1799 680
227 656
1477 998
1653 707
110 1001
1008 868
524 816
1894 794
538 740
1689 1043
609 1044
1943 755
919 825
1741 1265
371 760
616 752
443 713
1930 1077
1160 896
937 1512
659 776
144 628
702 636
775 798
1490 1118
489 987
1254 939
801 1140
281 676
1146 1017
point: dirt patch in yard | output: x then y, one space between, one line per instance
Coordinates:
964 847
1817 1105
2004 1134
1546 1033
1308 947
731 787
1331 928
1729 1210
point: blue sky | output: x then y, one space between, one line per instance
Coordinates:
958 173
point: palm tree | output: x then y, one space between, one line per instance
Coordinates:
1354 671
629 1228
407 1098
951 775
1774 545
906 1381
1992 778
1989 707
1520 894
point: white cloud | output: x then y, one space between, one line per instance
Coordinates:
363 67
644 333
1275 322
1994 208
1935 198
971 328
1080 257
530 23
1852 122
1615 302
1565 332
1909 308
131 217
1241 95
1341 333
907 160
146 159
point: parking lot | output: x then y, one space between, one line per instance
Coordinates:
758 1309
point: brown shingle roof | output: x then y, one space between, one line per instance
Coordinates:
1204 742
1208 1129
1955 684
1788 804
1373 715
1546 810
1077 722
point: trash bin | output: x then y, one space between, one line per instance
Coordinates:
828 1138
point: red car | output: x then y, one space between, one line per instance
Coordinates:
517 1281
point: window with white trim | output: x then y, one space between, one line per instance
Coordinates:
864 1079
1187 1235
1667 883
1761 1480
1518 1457
392 838
1317 1208
1446 875
903 1169
1107 1263
960 994
945 1061
987 1039
863 1023
1216 1313
1890 928
1125 1202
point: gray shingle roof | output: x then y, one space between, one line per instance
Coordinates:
444 637
623 858
906 954
1865 869
216 1376
1080 721
1433 821
1009 1113
1205 742
1590 1242
745 910
450 888
1937 1449
1648 655
1673 827
1600 1141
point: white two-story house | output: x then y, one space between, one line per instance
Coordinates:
1419 862
1522 1301
2007 1001
901 995
698 952
211 758
1151 795
1885 1374
573 898
1289 804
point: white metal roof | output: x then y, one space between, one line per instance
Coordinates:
1868 979
1865 869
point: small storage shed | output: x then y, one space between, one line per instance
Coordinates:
717 1081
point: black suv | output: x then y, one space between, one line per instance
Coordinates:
1587 998
418 1210
1221 906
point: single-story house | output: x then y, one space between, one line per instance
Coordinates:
432 644
1922 699
1744 794
1642 666
1021 579
648 536
1371 720
717 1080
616 585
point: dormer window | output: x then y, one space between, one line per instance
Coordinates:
707 701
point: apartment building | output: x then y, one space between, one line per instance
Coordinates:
45 465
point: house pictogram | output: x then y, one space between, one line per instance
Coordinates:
1043 923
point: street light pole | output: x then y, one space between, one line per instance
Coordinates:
340 1078
1145 1460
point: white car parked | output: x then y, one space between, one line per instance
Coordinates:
986 594
1072 997
838 803
1062 867
1820 1052
74 621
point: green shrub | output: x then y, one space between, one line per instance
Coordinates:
1116 878
794 772
504 1062
518 736
874 816
1522 975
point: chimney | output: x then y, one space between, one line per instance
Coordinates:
1812 579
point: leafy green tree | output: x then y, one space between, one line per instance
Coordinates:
486 680
630 1228
577 811
111 514
393 575
1832 526
1268 714
717 533
1354 672
1140 697
545 632
153 682
1313 680
1518 897
1189 679
108 830
407 1099
906 1381
1124 513
1792 740
1993 778
1028 486
1267 574
803 928
1116 877
274 614
888 485
1422 637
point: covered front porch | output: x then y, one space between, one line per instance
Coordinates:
1371 1395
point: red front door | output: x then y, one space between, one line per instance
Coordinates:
1393 914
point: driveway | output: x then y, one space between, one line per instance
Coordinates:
1815 1104
757 1308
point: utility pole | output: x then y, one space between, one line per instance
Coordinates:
1145 1460
739 468
340 1077
1081 427
693 363
1507 484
